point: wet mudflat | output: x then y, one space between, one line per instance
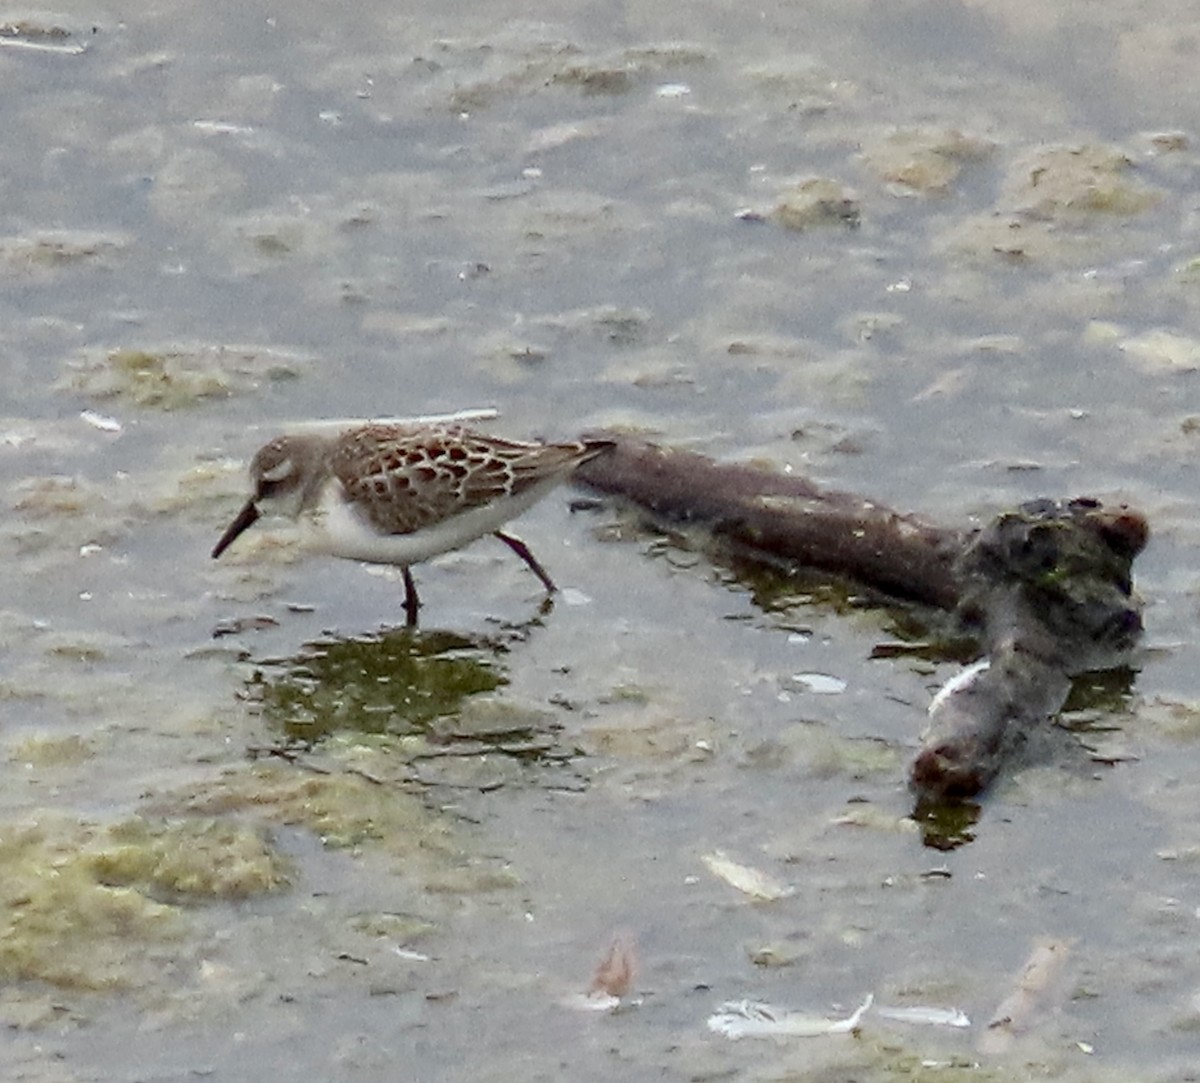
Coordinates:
943 254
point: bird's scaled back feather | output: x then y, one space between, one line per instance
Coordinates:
403 479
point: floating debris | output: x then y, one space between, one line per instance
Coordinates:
237 625
592 1002
819 684
1028 1000
960 681
737 1019
746 879
13 438
221 127
615 972
39 39
864 815
925 1016
612 979
100 421
558 135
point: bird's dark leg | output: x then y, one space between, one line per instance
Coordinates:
411 602
522 550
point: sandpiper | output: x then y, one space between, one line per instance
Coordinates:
402 493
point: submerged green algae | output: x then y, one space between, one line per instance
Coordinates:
395 682
178 376
82 906
189 860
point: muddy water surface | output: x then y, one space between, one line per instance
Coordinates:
946 254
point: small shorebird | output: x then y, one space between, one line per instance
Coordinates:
402 493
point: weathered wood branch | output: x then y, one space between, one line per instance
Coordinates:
1046 589
785 519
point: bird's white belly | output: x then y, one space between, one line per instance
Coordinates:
338 529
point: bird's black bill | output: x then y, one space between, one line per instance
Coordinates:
245 519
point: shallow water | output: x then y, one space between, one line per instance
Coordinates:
218 220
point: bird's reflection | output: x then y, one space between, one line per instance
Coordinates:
396 682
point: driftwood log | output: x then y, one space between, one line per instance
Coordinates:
1045 589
